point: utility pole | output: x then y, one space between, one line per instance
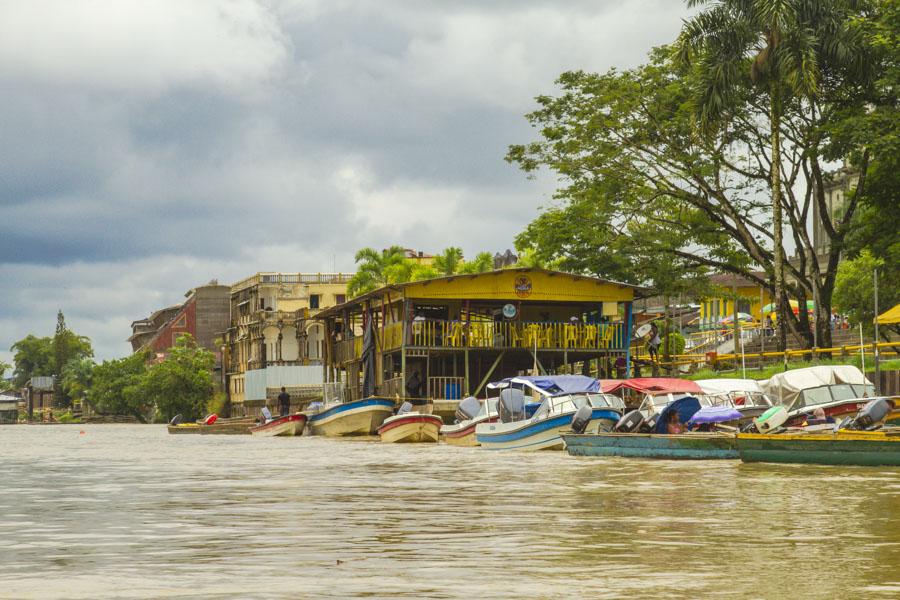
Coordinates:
877 368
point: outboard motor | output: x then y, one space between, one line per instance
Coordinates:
872 415
649 424
468 409
266 413
210 419
629 422
176 420
511 406
582 418
405 408
773 418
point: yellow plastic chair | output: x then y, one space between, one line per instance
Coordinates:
454 336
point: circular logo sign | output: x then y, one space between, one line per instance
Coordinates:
509 311
523 286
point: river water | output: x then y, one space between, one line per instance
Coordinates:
128 511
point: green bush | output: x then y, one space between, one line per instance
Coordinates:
68 417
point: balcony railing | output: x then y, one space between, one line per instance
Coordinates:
491 335
278 278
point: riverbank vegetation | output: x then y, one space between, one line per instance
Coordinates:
713 156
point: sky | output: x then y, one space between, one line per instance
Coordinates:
150 147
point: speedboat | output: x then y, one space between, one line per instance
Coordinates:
469 414
859 440
745 395
410 427
839 390
559 399
357 417
629 439
211 425
288 425
657 392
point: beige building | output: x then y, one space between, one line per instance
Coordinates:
272 341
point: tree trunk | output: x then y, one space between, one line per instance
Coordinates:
775 123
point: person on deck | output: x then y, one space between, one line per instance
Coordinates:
654 342
284 402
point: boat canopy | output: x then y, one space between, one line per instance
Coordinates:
788 387
686 408
651 385
549 385
725 386
714 414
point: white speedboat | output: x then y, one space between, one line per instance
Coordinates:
357 417
288 425
560 399
839 390
745 395
470 413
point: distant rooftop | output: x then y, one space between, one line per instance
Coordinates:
288 278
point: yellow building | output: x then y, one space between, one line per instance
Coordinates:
272 340
442 339
727 289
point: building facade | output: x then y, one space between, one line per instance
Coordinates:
838 184
729 290
204 314
437 341
272 341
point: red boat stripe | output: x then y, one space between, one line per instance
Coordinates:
411 419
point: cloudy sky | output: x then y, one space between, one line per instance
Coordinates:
147 147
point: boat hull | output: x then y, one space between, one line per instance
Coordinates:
837 411
863 448
182 428
545 434
697 446
463 434
360 417
239 426
290 425
410 428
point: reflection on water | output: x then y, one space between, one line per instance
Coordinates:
132 512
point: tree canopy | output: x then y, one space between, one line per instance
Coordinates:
182 383
654 191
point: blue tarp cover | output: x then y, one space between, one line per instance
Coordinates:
715 414
686 408
553 384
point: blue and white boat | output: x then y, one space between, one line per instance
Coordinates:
558 398
357 417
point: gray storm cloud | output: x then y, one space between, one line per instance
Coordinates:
151 146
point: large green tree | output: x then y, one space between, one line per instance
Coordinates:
482 263
853 292
182 383
783 48
4 384
376 269
672 195
76 378
33 356
117 387
449 261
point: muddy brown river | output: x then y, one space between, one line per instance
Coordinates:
128 511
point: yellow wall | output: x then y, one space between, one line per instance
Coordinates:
726 306
516 285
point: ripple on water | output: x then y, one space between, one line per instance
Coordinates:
131 512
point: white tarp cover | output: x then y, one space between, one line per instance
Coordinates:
725 386
786 387
274 377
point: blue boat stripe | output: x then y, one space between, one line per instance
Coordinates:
350 406
533 428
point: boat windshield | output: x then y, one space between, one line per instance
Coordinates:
835 393
488 407
738 399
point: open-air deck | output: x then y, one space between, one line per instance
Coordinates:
439 340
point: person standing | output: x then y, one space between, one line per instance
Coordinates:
284 402
654 342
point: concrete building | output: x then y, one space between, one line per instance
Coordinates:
838 184
271 340
728 288
204 314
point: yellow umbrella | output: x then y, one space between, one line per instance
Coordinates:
891 317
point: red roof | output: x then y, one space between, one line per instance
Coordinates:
651 385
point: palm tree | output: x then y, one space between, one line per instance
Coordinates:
777 46
376 269
482 263
448 261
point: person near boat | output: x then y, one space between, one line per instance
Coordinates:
284 402
674 425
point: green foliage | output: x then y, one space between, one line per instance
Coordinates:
482 263
46 356
376 269
449 261
216 403
118 386
32 357
76 378
853 293
67 417
4 384
182 383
